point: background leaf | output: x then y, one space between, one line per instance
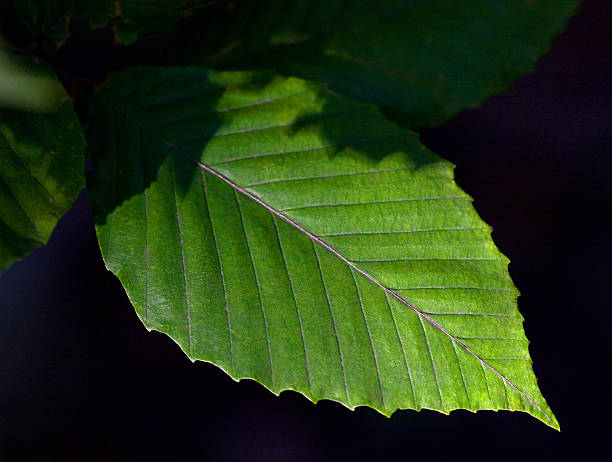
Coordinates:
26 85
41 174
300 239
43 24
134 19
36 25
427 59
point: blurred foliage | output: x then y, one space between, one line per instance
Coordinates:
43 25
26 85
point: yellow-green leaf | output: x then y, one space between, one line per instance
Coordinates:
298 238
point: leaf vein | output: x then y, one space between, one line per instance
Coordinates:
401 342
333 323
433 365
490 289
324 177
21 207
27 167
461 372
441 313
214 236
268 127
261 303
381 201
365 321
228 109
299 151
183 262
386 260
297 310
433 230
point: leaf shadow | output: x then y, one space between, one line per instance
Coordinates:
362 131
126 153
178 110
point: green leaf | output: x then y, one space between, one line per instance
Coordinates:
427 59
300 239
26 85
41 174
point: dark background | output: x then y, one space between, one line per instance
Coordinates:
82 380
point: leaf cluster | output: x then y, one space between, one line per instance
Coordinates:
259 191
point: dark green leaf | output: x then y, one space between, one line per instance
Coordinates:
300 239
41 174
427 59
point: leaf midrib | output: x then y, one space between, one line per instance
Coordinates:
422 315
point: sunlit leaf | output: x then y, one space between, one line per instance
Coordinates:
298 238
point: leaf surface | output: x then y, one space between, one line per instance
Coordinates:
41 174
427 59
298 238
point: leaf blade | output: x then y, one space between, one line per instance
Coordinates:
291 291
427 60
41 174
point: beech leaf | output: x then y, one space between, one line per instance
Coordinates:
425 59
41 164
298 238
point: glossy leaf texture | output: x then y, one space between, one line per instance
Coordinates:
426 59
41 174
298 238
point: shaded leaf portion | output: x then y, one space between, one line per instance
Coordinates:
134 19
37 25
298 238
427 59
43 24
41 174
